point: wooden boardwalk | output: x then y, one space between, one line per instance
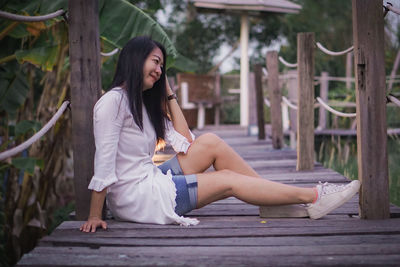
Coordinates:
231 232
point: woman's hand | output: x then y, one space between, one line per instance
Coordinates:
92 223
96 207
168 87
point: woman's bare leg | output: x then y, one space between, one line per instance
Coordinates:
234 177
218 185
208 149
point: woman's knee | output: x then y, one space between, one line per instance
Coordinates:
226 173
227 177
210 140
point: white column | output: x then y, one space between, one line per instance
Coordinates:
201 115
244 70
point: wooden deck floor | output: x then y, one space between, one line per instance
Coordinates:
232 233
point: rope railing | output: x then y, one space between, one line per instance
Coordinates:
322 103
288 103
110 53
265 72
287 64
393 9
13 151
394 100
293 106
267 103
326 51
338 113
23 18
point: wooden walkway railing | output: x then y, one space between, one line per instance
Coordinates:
231 232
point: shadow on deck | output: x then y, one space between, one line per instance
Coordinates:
231 232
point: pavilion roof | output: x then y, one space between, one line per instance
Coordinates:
281 6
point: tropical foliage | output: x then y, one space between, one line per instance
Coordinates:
34 81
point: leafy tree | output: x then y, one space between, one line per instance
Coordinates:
199 36
331 21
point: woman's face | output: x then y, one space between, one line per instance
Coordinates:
152 68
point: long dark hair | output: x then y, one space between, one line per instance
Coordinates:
129 74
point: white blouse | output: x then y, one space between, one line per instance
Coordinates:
137 190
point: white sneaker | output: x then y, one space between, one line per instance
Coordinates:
330 197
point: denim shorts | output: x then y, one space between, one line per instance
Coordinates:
186 186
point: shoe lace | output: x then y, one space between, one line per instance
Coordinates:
328 188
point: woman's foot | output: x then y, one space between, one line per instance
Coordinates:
330 197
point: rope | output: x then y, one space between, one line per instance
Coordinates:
291 105
287 64
287 102
110 53
22 18
394 100
393 9
326 51
13 151
265 72
266 101
338 113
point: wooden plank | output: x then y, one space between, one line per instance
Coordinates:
324 174
305 111
368 35
249 210
249 256
336 249
197 232
275 97
229 222
259 101
283 211
98 242
296 179
84 54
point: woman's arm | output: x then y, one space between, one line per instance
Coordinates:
178 120
96 208
107 125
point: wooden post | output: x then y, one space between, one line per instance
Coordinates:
323 94
84 52
217 105
292 94
305 112
275 98
252 128
259 101
368 36
349 68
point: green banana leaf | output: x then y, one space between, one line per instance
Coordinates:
14 90
26 126
27 164
119 21
43 57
